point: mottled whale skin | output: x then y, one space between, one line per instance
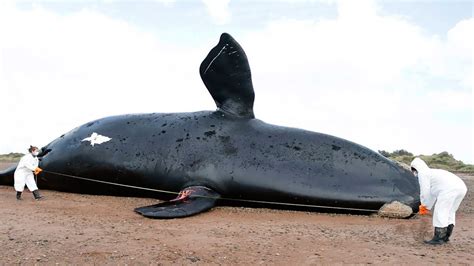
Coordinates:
226 153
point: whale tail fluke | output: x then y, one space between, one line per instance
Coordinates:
191 201
6 176
226 73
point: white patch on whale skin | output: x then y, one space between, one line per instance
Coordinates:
96 139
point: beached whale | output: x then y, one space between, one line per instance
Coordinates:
222 154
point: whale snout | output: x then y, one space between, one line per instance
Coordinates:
44 151
6 176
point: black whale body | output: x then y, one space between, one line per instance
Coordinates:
222 154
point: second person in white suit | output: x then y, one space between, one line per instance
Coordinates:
442 190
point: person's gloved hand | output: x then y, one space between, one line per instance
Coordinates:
423 210
38 170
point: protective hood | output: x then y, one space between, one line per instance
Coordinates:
419 165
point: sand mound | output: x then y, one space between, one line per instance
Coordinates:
395 209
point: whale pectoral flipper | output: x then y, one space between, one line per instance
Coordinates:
190 201
226 73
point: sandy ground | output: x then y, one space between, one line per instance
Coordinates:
83 229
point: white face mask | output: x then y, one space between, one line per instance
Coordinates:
35 153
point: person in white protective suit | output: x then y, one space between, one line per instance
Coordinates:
444 191
24 173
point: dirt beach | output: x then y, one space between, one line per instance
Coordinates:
83 229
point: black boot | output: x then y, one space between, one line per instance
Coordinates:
439 236
18 195
37 195
449 231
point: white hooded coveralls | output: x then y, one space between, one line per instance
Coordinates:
24 173
441 188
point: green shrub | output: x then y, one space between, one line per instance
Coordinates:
11 157
443 160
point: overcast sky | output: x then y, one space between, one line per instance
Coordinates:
385 74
